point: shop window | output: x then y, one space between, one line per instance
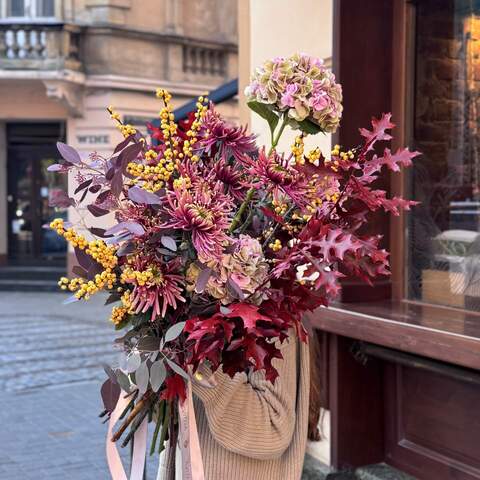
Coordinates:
444 230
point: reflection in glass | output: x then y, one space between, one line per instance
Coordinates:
444 253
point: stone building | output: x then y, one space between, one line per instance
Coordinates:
61 64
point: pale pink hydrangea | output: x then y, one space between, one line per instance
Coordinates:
300 86
245 265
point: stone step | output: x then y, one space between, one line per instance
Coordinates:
316 470
23 285
31 272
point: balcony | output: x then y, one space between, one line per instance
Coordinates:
44 47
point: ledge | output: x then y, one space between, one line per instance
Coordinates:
444 334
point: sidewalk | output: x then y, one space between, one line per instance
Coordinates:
50 377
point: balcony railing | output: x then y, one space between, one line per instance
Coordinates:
39 47
204 60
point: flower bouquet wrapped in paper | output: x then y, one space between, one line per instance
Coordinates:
219 246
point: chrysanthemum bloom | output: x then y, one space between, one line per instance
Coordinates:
231 178
300 86
278 176
203 210
246 266
156 287
225 139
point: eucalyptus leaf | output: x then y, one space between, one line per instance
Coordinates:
225 310
174 331
148 344
123 381
126 249
111 374
202 280
158 373
112 298
234 289
177 369
70 299
168 242
69 153
133 362
122 361
110 392
141 378
140 195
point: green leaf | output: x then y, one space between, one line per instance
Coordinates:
265 112
309 127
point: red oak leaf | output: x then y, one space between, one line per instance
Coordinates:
248 313
402 158
174 389
335 244
378 133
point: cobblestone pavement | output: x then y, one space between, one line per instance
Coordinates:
50 376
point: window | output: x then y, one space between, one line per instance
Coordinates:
31 8
444 231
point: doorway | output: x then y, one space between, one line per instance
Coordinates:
31 148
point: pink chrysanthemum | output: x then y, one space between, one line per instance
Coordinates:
232 179
275 174
225 139
204 211
157 288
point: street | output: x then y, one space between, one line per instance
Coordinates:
50 377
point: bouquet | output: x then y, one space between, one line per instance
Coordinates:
218 246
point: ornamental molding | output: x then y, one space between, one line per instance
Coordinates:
69 94
123 82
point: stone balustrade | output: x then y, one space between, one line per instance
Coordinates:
204 60
39 46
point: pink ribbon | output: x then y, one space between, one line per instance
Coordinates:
192 463
139 447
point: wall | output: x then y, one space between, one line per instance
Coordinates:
270 28
206 19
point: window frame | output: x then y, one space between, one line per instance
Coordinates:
33 16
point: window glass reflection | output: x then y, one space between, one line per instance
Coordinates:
444 234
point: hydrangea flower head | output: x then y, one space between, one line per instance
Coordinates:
301 87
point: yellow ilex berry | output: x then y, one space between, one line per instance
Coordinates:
298 149
279 207
182 182
127 130
117 315
151 155
102 253
275 245
314 155
139 277
188 145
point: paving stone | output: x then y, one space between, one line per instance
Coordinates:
50 377
380 472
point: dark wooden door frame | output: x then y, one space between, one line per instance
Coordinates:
32 153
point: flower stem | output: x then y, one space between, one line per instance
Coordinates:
276 138
248 198
243 206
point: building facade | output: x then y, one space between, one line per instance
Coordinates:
400 366
63 62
